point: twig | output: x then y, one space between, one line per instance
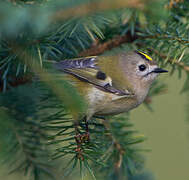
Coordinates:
16 81
159 36
163 56
116 145
112 43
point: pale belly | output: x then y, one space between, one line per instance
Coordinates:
103 103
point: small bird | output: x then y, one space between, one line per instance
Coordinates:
111 84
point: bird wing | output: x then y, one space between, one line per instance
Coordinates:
87 70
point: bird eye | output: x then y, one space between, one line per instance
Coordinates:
142 67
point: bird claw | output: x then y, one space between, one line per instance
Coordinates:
81 138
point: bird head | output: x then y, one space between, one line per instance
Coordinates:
140 69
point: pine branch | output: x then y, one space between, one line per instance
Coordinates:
171 60
117 145
109 151
166 37
112 43
65 91
93 7
26 151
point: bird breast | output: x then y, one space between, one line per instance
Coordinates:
104 103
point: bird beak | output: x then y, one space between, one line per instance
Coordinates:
159 70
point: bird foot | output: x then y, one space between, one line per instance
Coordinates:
81 138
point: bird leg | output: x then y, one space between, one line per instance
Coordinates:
85 137
81 138
78 150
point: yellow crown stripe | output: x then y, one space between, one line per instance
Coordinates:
146 56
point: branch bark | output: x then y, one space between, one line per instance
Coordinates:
112 43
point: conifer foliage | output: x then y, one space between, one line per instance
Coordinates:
37 106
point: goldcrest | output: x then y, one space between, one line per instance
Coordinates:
112 84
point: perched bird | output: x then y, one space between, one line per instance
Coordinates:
112 84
